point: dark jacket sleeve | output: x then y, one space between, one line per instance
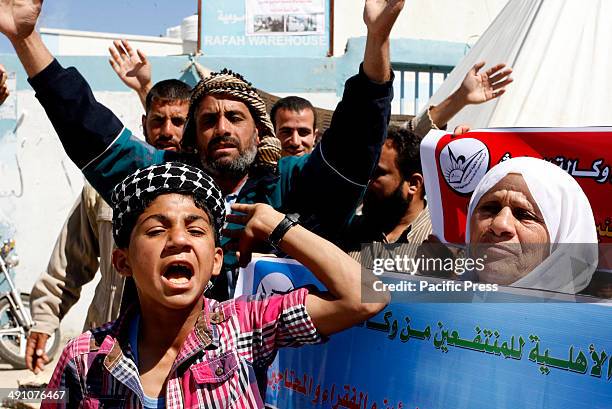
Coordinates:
92 136
352 144
327 185
85 127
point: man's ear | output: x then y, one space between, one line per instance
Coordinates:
415 184
257 137
317 137
121 263
217 262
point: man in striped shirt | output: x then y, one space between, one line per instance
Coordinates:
394 207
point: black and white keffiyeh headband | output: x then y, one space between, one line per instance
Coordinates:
130 195
232 84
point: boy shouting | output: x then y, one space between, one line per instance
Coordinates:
175 347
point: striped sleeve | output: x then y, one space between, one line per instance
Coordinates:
269 323
295 327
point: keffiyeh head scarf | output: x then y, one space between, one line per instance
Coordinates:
568 217
130 196
230 84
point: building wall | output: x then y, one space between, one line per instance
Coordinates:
71 42
441 20
421 19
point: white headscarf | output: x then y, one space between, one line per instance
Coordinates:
568 217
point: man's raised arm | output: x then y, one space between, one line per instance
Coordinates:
17 22
340 167
93 137
379 16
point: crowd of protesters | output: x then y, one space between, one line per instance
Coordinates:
170 220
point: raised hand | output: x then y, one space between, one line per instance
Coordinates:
477 88
131 66
380 15
18 17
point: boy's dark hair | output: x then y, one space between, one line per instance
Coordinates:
168 90
407 145
295 104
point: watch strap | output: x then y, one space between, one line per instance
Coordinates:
282 228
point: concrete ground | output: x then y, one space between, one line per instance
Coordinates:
12 378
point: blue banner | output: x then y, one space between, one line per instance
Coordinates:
453 355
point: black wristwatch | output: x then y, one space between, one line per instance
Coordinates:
282 228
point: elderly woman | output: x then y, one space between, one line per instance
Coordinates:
533 225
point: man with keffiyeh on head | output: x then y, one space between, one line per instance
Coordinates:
226 122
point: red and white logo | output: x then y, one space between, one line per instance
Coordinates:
463 163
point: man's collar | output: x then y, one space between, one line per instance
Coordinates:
421 218
238 188
205 334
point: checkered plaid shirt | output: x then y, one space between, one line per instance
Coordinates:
214 368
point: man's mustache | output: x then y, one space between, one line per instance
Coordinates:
164 141
224 139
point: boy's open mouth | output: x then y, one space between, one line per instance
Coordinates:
178 273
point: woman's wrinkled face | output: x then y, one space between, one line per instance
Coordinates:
508 231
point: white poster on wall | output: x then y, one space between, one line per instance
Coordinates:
285 17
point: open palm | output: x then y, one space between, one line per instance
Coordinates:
379 15
131 66
480 87
18 17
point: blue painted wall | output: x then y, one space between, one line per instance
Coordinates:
272 74
408 52
296 74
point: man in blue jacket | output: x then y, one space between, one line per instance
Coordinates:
227 120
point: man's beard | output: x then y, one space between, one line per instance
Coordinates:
236 168
385 213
